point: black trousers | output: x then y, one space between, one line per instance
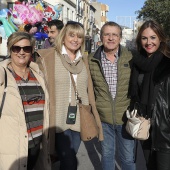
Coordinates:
32 157
155 160
163 161
67 144
150 156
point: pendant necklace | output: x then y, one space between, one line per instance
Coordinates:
23 73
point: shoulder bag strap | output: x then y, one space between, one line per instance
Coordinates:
75 89
4 94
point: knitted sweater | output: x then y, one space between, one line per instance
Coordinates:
46 60
62 93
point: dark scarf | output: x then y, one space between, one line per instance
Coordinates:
147 67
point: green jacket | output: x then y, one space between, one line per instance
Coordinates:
111 111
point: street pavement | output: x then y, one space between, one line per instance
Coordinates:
89 157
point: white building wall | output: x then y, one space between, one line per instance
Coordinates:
54 2
127 38
68 12
3 4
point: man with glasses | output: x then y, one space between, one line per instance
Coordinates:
54 27
110 72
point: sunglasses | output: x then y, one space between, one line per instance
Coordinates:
74 22
33 100
17 49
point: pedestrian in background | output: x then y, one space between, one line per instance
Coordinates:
24 120
58 64
110 72
53 29
150 87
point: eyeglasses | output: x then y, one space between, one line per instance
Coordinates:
34 99
17 49
74 22
108 35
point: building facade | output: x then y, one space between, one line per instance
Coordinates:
100 14
90 13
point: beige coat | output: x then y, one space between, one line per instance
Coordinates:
46 62
13 130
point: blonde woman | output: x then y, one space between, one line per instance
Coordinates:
57 65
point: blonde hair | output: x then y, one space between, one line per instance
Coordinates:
17 36
70 29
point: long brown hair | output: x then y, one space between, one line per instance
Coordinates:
157 28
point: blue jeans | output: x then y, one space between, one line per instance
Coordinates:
67 144
116 134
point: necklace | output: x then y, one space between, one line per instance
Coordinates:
23 75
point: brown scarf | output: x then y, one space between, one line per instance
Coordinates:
73 67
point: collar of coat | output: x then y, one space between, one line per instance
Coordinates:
97 54
162 71
33 66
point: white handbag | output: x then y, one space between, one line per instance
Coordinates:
137 126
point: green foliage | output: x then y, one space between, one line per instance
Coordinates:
158 10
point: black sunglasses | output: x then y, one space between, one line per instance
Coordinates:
74 22
33 100
17 49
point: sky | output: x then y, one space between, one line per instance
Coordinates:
118 9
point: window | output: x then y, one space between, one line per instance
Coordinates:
72 15
67 13
10 5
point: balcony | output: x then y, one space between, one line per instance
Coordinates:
80 11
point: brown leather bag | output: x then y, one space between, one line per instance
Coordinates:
88 125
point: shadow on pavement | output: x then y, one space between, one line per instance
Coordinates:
94 149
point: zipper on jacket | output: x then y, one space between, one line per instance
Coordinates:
112 103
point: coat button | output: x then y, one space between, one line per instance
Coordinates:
24 166
25 136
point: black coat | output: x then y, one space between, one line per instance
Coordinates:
161 110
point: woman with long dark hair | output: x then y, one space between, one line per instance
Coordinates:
150 86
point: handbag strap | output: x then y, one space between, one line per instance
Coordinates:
4 94
75 89
138 108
